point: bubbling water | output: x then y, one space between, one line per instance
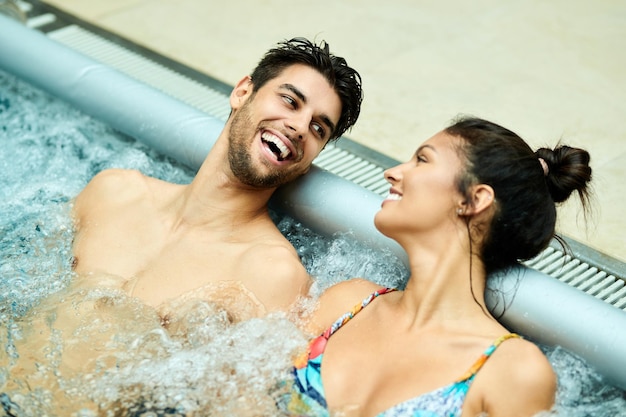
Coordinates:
73 348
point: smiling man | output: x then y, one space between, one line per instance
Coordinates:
213 239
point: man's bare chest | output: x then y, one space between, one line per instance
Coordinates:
160 267
179 269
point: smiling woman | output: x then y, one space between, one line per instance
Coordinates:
471 202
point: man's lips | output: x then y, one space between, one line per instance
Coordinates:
281 147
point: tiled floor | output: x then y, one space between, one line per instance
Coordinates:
547 70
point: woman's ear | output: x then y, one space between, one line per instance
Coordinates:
482 196
241 92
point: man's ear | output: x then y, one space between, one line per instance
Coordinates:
241 92
482 196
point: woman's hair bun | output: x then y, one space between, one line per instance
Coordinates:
568 171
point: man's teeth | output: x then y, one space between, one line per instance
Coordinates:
394 196
276 145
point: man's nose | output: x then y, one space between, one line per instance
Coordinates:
299 125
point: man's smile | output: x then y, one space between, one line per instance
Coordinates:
281 148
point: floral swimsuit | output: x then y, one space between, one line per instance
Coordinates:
307 397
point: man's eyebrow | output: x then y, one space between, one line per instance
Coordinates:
325 119
294 90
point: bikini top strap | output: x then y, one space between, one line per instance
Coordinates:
486 354
354 311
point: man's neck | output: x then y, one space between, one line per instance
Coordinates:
216 196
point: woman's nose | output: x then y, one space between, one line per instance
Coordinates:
393 174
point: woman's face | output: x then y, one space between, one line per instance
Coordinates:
423 197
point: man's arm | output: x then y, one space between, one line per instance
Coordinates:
99 204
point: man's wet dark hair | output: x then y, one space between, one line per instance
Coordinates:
345 80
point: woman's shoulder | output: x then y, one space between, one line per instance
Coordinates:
518 377
339 299
531 367
355 289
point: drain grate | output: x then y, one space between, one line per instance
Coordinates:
346 158
149 72
579 274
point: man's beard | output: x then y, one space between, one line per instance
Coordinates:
239 154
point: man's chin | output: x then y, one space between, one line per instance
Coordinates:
263 182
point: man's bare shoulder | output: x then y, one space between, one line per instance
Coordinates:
276 273
112 189
116 183
278 255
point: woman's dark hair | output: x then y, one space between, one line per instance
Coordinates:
526 189
345 80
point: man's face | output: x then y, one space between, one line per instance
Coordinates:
277 131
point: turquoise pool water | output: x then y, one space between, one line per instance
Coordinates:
49 152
